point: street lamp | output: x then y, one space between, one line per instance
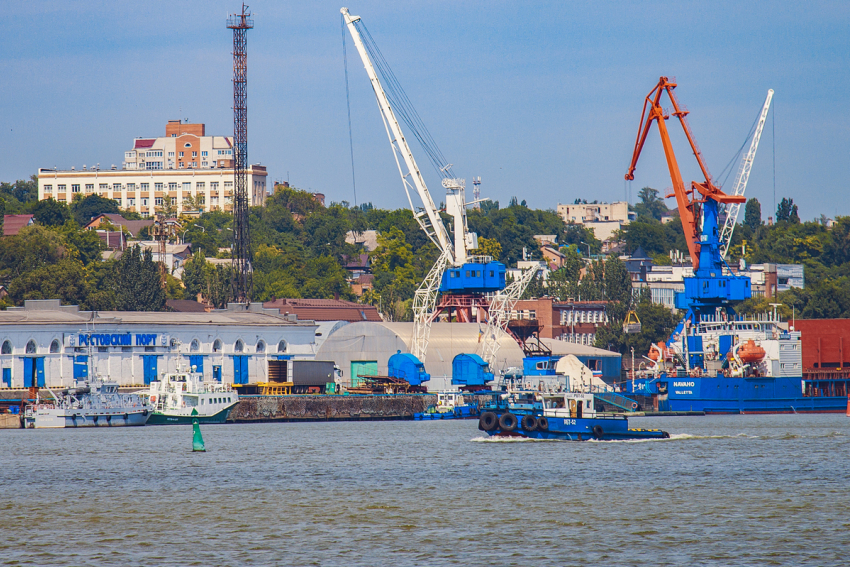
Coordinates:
588 249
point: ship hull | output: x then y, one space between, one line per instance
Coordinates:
722 395
58 419
158 418
579 429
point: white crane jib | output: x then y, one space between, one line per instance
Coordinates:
742 179
428 216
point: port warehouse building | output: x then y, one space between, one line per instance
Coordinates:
44 343
364 348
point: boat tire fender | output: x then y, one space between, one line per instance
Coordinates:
528 423
542 424
598 432
508 422
665 435
488 421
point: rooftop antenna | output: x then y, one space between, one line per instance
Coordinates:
241 250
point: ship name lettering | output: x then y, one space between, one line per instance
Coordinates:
684 384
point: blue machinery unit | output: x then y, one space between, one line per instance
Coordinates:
407 367
470 370
471 277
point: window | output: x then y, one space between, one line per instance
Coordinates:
261 346
204 154
62 188
131 202
144 202
172 186
75 188
200 199
186 145
7 348
180 154
55 346
205 164
200 185
117 201
170 154
194 164
174 200
116 186
89 187
145 186
239 346
181 165
187 186
131 187
157 186
217 345
228 185
31 347
157 201
281 346
195 346
194 154
213 185
104 186
48 188
153 154
153 165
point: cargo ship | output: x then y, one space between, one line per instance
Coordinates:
738 365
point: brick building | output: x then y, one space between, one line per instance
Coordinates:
571 321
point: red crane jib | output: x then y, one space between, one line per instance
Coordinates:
687 201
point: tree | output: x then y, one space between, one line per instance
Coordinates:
138 282
752 214
488 247
84 209
49 212
64 280
651 206
786 211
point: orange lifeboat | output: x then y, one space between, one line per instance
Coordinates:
749 352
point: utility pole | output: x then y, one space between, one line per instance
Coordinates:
241 249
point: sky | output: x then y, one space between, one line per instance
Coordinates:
542 100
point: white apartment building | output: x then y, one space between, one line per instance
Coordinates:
183 164
603 218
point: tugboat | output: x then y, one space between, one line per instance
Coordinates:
568 416
95 403
177 394
450 405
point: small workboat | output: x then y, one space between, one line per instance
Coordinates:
450 405
90 403
180 397
568 416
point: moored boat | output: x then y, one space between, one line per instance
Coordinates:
450 405
568 416
93 403
176 395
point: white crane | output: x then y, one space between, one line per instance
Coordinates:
502 303
428 217
741 180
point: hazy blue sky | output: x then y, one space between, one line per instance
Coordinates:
541 99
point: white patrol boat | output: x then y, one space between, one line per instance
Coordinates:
182 396
94 403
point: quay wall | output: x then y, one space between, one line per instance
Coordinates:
329 408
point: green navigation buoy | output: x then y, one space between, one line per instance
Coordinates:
197 438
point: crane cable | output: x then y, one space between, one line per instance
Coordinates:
402 106
348 105
737 155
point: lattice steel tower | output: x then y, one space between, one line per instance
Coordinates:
241 250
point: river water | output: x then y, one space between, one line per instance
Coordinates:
734 490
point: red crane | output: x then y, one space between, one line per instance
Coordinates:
688 201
